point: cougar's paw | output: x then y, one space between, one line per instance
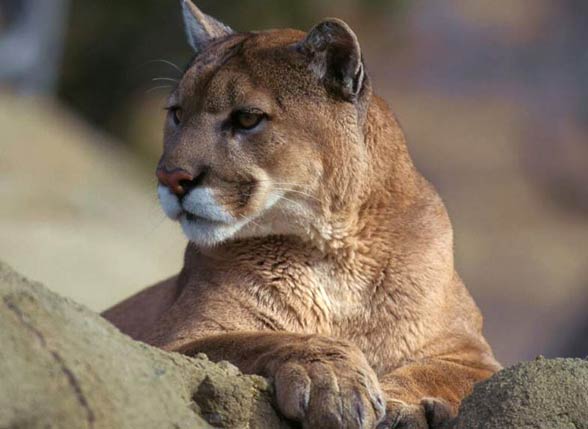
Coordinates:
431 413
335 389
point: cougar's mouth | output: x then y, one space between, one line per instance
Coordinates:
205 221
207 232
191 217
194 218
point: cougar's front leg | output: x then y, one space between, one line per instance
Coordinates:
136 316
427 394
321 382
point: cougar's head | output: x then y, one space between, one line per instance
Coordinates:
264 131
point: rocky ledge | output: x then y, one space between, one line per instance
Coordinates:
541 394
63 366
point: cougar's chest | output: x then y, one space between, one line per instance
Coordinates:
276 281
278 284
290 285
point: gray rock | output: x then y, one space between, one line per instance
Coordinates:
542 394
63 366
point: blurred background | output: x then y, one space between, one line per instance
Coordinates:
492 95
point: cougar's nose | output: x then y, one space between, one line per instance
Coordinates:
178 181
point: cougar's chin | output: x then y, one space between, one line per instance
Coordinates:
206 232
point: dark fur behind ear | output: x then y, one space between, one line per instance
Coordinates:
336 57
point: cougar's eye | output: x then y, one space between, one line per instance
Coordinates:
247 119
176 114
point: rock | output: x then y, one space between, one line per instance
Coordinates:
63 366
541 394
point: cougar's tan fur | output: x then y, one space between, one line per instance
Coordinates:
344 291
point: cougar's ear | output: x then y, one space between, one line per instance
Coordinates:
201 28
335 57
